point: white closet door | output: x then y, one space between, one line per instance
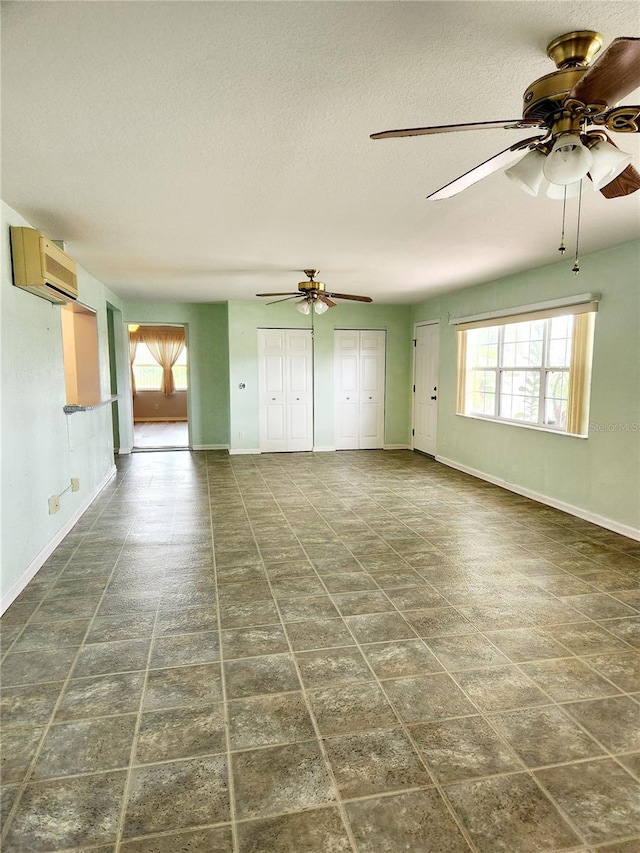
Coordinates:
359 359
347 389
425 395
372 361
299 389
285 395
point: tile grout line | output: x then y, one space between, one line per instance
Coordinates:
223 686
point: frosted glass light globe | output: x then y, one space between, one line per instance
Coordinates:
569 160
527 173
608 163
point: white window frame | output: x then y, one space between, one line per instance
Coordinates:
543 370
578 376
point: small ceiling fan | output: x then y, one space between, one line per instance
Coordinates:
314 293
575 106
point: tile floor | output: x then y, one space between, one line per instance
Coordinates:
160 435
378 654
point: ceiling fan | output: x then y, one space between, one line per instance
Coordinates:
314 293
575 106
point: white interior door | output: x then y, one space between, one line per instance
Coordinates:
359 369
425 387
286 389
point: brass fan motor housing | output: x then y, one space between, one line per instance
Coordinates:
572 54
311 286
545 95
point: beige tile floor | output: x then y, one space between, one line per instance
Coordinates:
378 654
156 435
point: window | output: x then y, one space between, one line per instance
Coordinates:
532 370
158 358
148 373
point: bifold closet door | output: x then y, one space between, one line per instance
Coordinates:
286 389
359 365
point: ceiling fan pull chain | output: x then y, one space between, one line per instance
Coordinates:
576 263
562 248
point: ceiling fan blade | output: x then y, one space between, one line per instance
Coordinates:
493 164
286 299
324 297
351 296
614 75
626 183
507 124
288 293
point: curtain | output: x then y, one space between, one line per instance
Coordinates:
165 344
580 374
134 339
462 372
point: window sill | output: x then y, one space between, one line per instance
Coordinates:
535 427
71 408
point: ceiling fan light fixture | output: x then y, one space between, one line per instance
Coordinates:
320 307
569 160
303 306
527 173
608 163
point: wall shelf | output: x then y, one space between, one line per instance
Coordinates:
79 407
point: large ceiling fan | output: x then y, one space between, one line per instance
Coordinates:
575 106
314 294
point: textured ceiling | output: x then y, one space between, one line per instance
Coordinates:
203 151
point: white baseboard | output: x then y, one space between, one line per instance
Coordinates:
249 451
579 512
125 451
36 564
396 447
210 447
321 449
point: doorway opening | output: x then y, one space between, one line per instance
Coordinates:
158 359
114 327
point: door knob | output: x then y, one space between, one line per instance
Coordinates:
434 398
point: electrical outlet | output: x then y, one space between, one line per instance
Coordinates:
75 484
54 504
240 435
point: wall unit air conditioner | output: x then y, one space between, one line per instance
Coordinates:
40 267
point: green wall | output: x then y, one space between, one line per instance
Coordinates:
208 343
246 317
599 475
41 446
